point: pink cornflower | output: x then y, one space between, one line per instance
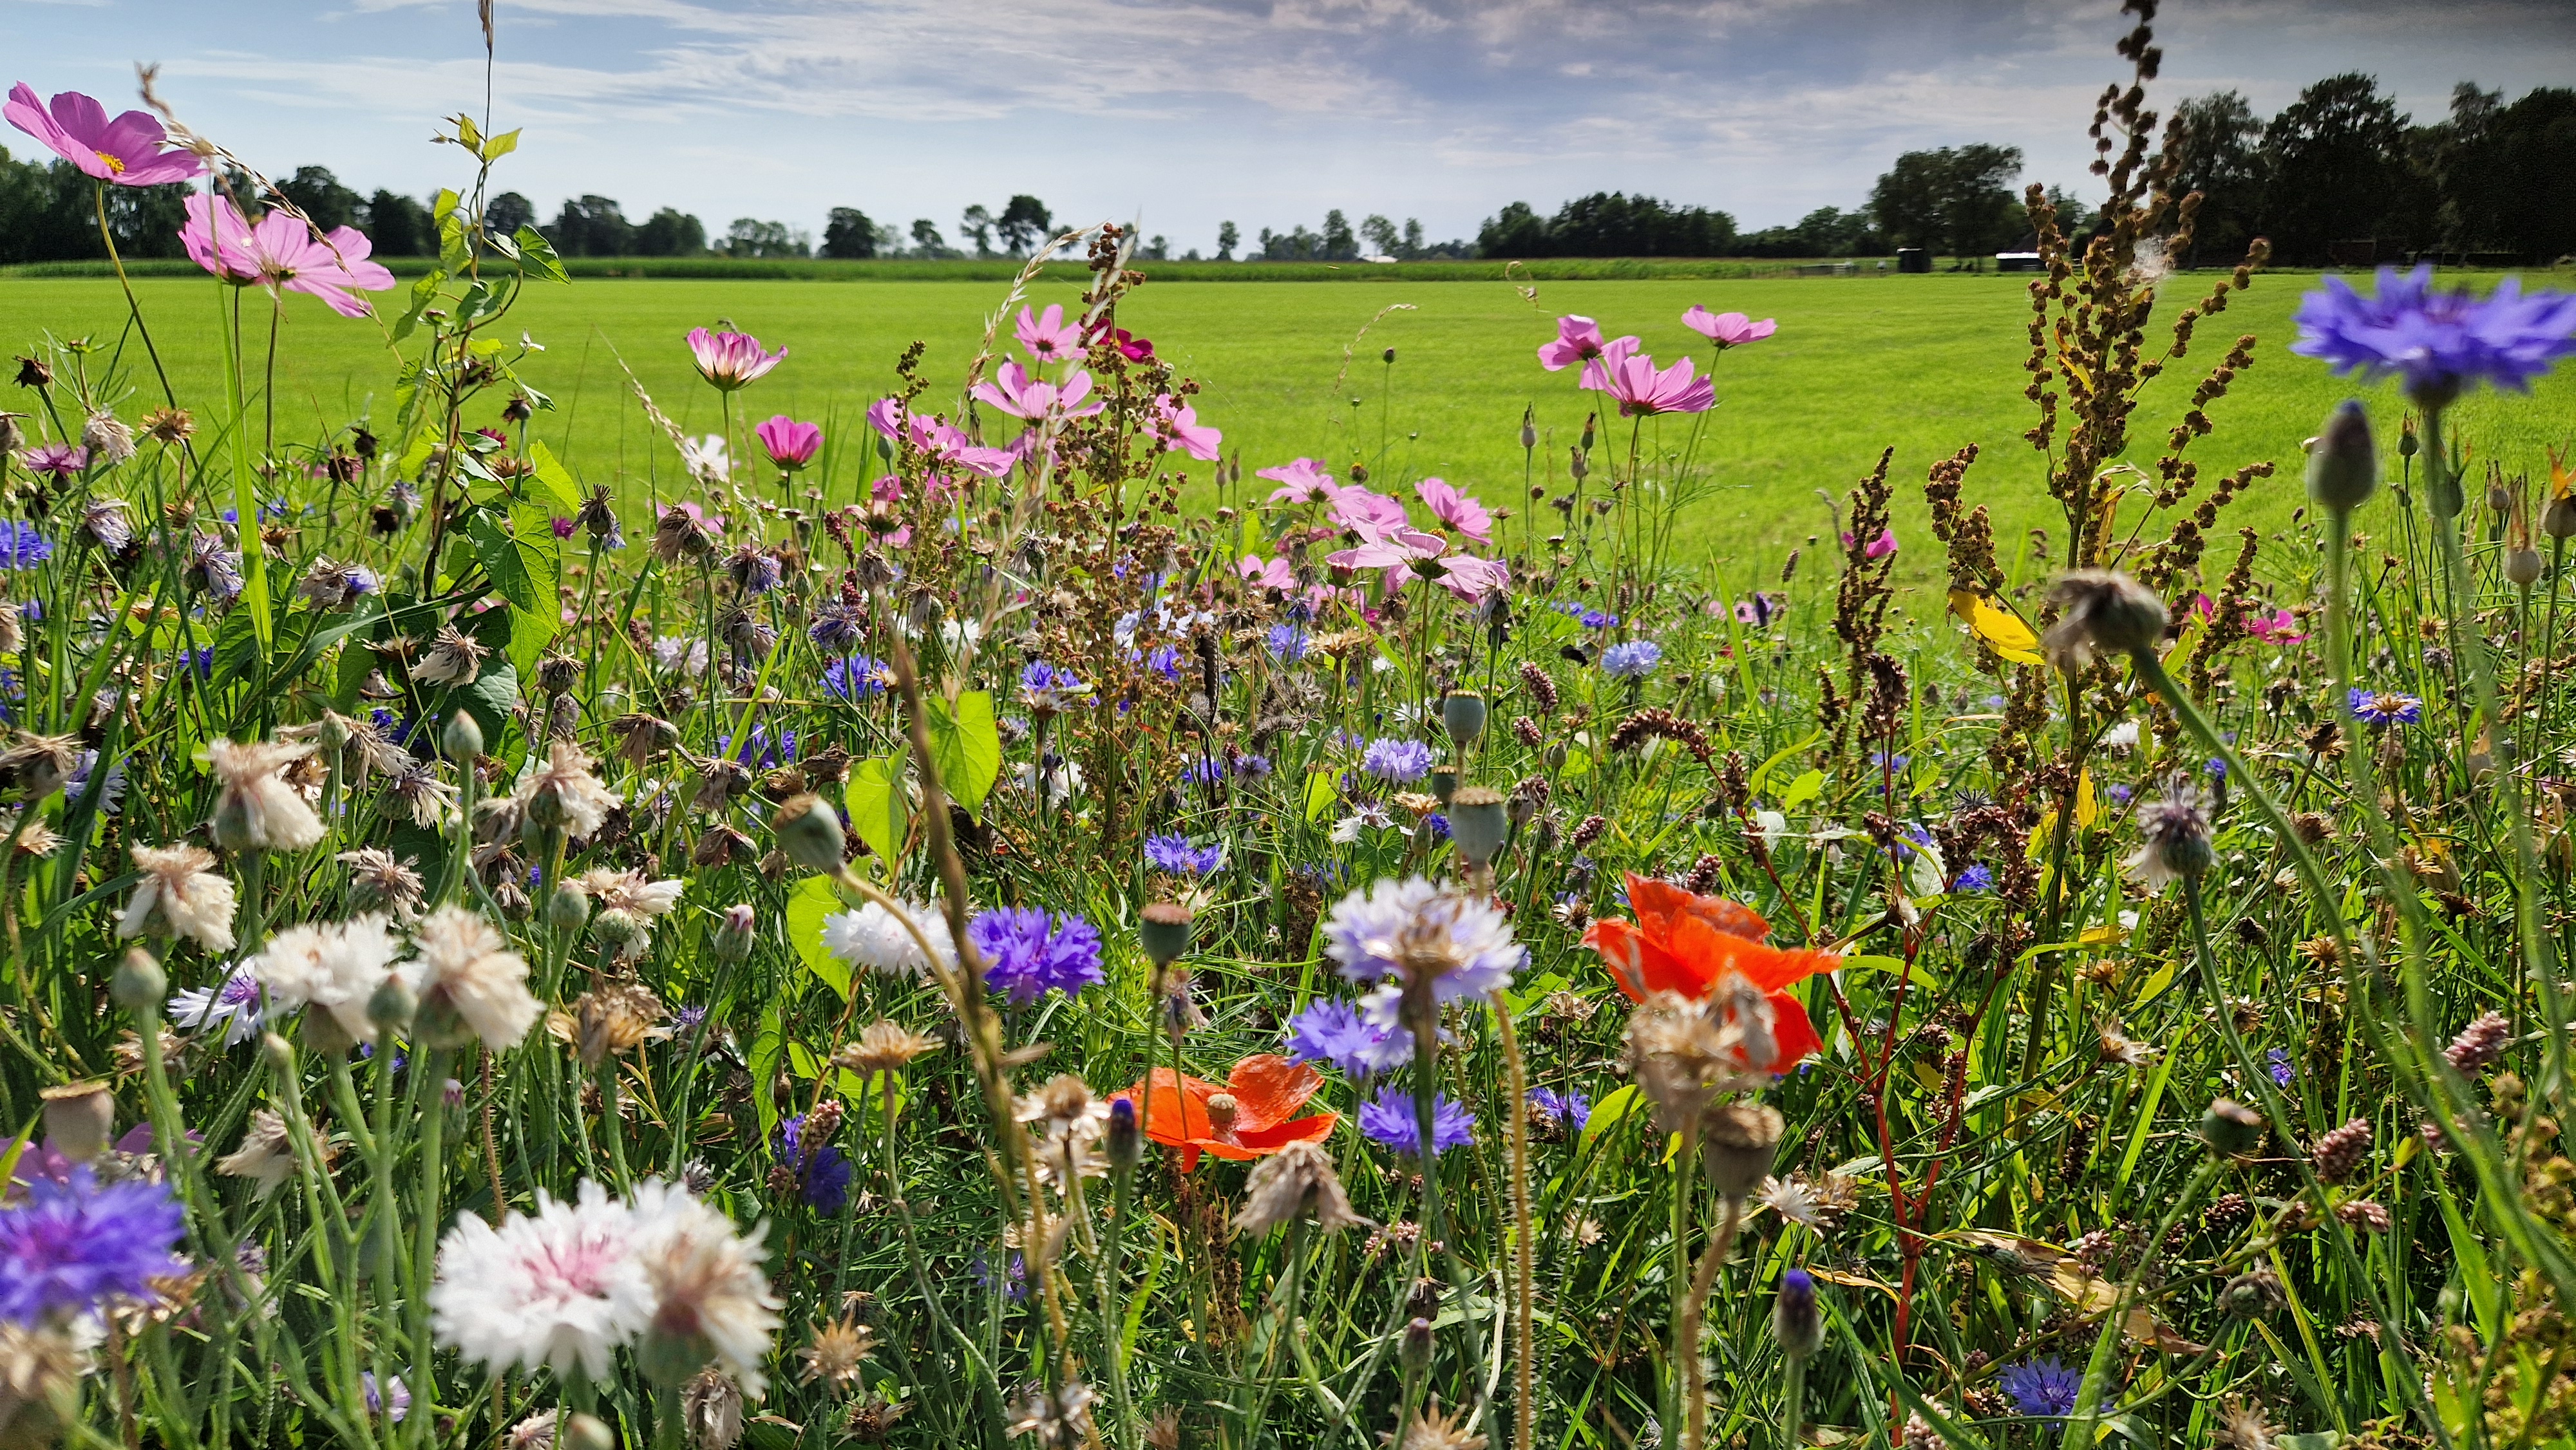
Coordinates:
1578 340
282 251
1456 510
1186 434
1644 392
731 360
1408 554
1357 508
131 150
1879 548
1048 337
1728 329
1301 480
790 444
62 460
1015 392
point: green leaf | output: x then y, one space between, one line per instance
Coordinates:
966 746
1763 771
1614 1105
499 146
490 699
811 903
551 475
525 563
1321 793
768 1049
424 290
1802 790
538 255
878 811
455 253
1894 966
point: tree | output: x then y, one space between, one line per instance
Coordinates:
1380 235
592 226
1228 237
320 196
1339 244
2217 156
926 239
506 213
977 226
2526 167
1412 244
1515 231
1024 223
752 237
2335 167
670 233
398 226
847 233
1956 199
1157 250
1608 224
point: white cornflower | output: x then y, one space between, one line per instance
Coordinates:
871 937
1369 817
561 1287
563 793
266 1154
710 1299
179 896
454 658
254 809
677 653
628 891
335 966
231 1004
1064 780
470 983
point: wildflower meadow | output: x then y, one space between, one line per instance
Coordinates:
1090 938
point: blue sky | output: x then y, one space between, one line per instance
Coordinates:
1185 113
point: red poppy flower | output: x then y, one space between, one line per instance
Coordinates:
1687 943
1249 1115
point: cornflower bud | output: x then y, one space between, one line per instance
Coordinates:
2343 465
139 984
462 739
2231 1128
1795 1320
810 833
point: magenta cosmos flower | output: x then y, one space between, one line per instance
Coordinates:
1048 337
132 150
790 444
942 444
281 251
1408 554
1017 393
1641 391
731 360
1728 329
1301 480
1456 510
1275 574
1578 340
1183 431
62 460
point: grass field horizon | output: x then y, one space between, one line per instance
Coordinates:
1920 364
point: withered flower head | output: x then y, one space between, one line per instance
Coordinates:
2103 612
883 1046
1297 1180
453 658
835 1355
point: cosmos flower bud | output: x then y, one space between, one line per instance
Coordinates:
139 984
79 1119
1795 1320
1478 821
462 739
2231 1128
810 833
1463 714
2343 465
1164 929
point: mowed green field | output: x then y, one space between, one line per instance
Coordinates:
1922 364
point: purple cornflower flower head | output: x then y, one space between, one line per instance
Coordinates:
1165 660
399 1396
1569 1109
1175 854
2120 794
232 1005
1048 689
1375 932
66 1246
1399 762
2441 343
2282 1072
1438 825
1760 608
1287 643
1335 1032
824 1175
688 1018
2385 707
1389 1118
1026 954
1206 770
564 528
1976 878
837 628
1633 660
2044 1388
1913 838
1594 618
2216 768
62 460
857 678
1880 760
754 570
22 545
1015 1283
1251 766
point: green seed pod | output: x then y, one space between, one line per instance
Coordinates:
810 833
139 985
1164 930
2343 467
2231 1128
462 740
1478 821
1463 715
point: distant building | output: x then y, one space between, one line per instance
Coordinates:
2016 261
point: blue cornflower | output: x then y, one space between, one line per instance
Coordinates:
1049 690
22 545
1175 854
1595 619
2216 768
1336 1033
837 628
1251 766
66 1246
822 1174
1438 825
1165 660
1389 1118
1633 660
1206 770
758 750
2441 343
2120 794
1976 878
1569 1109
1880 760
1914 838
1027 953
1398 761
2043 1388
1287 643
2385 707
2282 1072
859 677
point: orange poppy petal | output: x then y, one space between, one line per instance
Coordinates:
1791 1029
1173 1113
1270 1140
1663 903
1640 965
1268 1090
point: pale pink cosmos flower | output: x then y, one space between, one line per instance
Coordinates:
731 360
1878 548
1456 510
1017 393
1357 508
1407 554
281 251
1048 337
790 444
942 443
1578 340
1273 574
1728 329
1643 392
1603 366
1183 430
131 150
1301 480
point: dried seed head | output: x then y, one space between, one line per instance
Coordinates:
1297 1180
2103 612
2339 1154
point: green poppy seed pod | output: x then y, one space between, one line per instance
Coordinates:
568 909
2231 1128
1416 1352
810 833
2522 567
1126 1144
733 933
2558 520
1444 782
1164 929
1796 1321
80 1117
392 1005
462 740
1478 822
139 984
1463 715
1737 1143
2343 467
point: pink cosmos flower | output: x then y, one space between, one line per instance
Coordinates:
1015 392
1131 347
1728 329
944 445
790 444
1644 392
281 251
1456 510
1578 340
128 151
1407 554
1048 337
1357 508
1186 433
1301 480
2279 626
1275 574
731 360
1879 548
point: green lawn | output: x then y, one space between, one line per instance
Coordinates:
1920 363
